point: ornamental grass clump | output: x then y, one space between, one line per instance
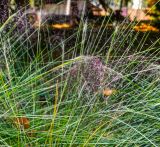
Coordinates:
100 89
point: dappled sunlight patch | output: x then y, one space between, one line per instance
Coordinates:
54 26
100 12
145 28
62 26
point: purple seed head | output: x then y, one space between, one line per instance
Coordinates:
91 70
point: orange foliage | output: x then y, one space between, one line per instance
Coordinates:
151 2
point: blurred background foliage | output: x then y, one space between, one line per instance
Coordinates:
155 11
151 7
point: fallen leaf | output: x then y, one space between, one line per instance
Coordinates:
22 122
109 92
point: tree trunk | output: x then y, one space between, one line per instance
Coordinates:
68 7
